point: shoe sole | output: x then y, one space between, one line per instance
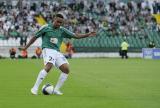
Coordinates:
33 93
58 94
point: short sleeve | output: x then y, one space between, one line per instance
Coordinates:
67 33
41 31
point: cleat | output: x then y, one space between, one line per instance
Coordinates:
57 92
34 91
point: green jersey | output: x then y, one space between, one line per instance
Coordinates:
52 38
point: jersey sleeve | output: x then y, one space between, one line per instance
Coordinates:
41 31
67 33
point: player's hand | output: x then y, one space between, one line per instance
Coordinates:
92 34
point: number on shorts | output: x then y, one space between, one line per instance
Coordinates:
50 58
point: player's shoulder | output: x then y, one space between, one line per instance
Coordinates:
63 28
46 26
43 27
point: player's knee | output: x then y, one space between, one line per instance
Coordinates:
66 70
48 67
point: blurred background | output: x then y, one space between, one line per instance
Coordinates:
135 21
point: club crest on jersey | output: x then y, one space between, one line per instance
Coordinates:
54 40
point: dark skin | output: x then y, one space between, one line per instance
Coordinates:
57 23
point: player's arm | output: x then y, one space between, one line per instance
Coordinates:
69 34
79 36
32 40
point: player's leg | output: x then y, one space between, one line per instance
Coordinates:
63 65
126 54
49 60
42 74
122 54
62 78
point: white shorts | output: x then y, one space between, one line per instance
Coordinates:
54 57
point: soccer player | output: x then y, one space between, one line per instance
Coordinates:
52 37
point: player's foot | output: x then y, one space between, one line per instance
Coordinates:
34 91
57 92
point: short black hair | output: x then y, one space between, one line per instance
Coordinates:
60 16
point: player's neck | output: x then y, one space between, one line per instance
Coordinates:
54 27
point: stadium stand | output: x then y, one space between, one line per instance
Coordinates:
113 20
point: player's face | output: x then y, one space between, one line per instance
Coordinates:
58 22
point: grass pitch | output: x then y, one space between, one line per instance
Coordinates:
93 83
